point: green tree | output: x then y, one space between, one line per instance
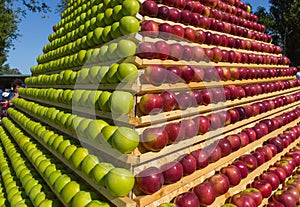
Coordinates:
282 21
11 13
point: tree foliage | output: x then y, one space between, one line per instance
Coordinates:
11 13
282 21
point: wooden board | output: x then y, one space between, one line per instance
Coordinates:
140 89
148 62
143 121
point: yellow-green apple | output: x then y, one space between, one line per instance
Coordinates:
123 97
99 172
69 191
89 163
119 181
125 139
78 156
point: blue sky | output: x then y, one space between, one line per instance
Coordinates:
35 31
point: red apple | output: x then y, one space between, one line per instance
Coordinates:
189 164
221 183
154 139
250 161
202 158
188 199
155 74
272 178
205 192
263 186
172 172
233 173
150 180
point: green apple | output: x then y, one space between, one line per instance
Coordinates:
93 74
99 172
46 203
26 178
102 73
112 51
90 40
82 198
103 53
94 128
78 156
35 191
115 30
125 139
84 98
89 163
64 119
16 199
130 7
30 184
95 10
69 123
95 55
119 181
106 134
126 48
167 205
123 97
129 25
108 16
96 203
93 98
35 155
76 122
50 169
69 191
43 165
61 182
46 136
54 176
104 101
24 172
93 23
11 192
100 20
117 13
39 198
127 72
83 125
62 146
51 139
81 58
69 151
57 142
111 75
39 159
106 36
78 94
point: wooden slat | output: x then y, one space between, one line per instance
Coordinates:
147 120
148 62
140 89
